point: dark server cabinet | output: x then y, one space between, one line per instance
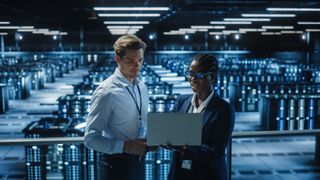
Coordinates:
4 99
45 162
245 96
74 106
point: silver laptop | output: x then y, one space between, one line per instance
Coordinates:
176 129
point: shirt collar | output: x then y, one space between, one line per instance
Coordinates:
121 79
204 104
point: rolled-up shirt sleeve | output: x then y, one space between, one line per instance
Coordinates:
97 124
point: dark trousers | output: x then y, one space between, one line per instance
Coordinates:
121 167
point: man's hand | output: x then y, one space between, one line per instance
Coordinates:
136 147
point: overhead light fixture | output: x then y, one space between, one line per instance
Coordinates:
277 27
237 36
152 36
291 32
26 27
268 15
215 33
293 9
247 19
4 22
131 8
173 33
177 32
26 30
229 31
9 27
230 22
186 37
308 23
129 15
251 30
3 33
217 37
63 33
124 27
126 22
270 33
313 30
208 27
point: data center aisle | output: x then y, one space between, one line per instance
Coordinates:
41 103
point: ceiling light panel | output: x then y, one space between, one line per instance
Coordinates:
247 19
129 15
131 8
126 22
293 9
268 15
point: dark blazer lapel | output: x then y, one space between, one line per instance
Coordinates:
186 105
210 110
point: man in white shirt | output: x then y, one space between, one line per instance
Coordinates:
116 124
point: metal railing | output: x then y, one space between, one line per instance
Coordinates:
235 135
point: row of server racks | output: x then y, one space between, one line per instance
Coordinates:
250 85
18 78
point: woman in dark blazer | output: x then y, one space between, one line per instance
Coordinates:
208 160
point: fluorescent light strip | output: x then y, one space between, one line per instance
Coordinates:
291 32
4 22
16 27
173 33
293 9
131 8
268 15
230 22
247 19
270 33
3 33
26 27
277 27
251 30
313 30
230 31
208 27
215 33
126 22
9 27
308 23
123 27
122 30
184 30
130 15
26 30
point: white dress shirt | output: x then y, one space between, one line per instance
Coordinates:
113 116
194 109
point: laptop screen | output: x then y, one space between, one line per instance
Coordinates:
177 129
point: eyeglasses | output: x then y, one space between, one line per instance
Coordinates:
197 75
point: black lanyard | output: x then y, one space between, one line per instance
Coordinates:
135 101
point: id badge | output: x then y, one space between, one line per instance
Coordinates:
141 132
186 164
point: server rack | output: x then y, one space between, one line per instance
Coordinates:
4 99
289 112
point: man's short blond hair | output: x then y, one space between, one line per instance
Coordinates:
130 42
